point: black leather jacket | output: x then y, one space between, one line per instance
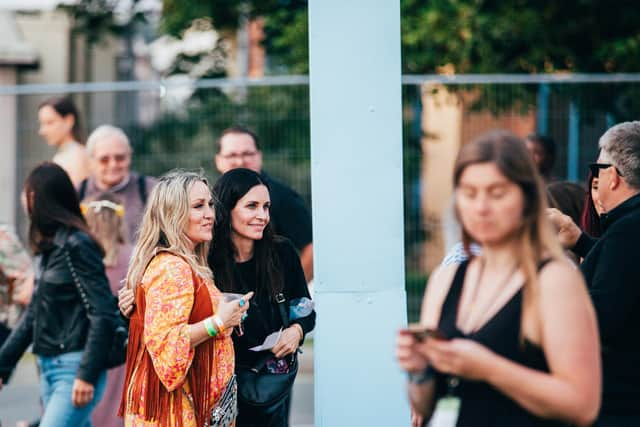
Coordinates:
56 320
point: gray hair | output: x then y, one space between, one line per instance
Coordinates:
622 144
103 132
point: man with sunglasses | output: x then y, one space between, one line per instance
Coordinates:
612 270
109 153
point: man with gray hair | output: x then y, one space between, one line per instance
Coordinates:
109 165
612 270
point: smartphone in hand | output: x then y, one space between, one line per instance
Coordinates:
421 332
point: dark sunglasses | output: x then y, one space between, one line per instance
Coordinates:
595 168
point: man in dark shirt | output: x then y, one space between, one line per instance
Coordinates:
238 147
612 271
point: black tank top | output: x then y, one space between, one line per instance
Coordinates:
480 403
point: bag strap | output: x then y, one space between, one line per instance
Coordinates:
76 281
142 188
281 301
82 190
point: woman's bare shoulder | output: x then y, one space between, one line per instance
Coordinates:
436 292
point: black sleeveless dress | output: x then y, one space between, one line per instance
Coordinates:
480 403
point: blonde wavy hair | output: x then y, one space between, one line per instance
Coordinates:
104 215
163 227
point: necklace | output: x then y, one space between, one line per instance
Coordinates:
488 301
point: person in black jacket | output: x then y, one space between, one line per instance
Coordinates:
612 271
70 318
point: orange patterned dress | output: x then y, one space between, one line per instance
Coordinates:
169 296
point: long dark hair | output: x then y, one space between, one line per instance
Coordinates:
52 203
65 106
230 188
568 197
590 221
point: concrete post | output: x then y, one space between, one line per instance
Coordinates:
15 53
356 171
8 139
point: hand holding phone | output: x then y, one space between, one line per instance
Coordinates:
421 332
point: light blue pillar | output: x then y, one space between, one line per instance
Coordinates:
573 147
542 119
356 171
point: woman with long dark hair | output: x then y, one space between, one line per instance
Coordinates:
246 256
590 219
514 338
70 318
60 128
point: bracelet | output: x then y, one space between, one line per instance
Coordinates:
421 377
218 321
208 325
299 329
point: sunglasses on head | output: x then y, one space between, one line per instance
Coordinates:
595 168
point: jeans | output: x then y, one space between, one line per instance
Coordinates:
57 374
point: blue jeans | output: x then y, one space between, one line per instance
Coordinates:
57 374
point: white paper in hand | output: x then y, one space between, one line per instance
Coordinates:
269 342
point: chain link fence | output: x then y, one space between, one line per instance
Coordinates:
175 125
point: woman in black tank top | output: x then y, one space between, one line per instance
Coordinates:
517 341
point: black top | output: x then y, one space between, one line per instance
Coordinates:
56 320
289 214
264 316
480 403
612 272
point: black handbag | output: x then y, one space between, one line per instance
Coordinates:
117 353
259 388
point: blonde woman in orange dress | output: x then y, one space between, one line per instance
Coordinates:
180 360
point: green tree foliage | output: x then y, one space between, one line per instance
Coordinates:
469 36
96 19
522 36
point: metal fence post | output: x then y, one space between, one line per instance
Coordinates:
542 117
573 147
